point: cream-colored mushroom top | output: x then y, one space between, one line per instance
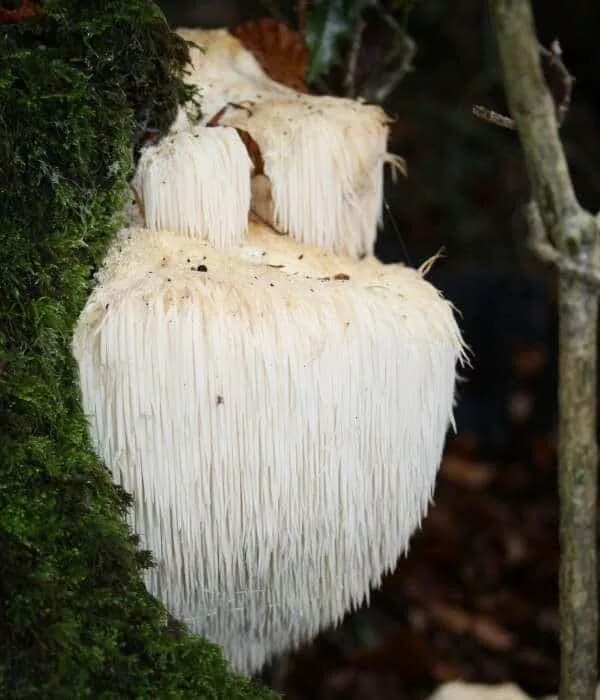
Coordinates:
144 264
321 157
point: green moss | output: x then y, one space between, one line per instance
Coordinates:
78 88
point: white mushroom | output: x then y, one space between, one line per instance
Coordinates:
324 156
279 414
226 73
277 410
197 183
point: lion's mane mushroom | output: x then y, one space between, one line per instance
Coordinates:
323 156
280 425
324 161
277 410
197 182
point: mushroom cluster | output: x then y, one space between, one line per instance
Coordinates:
274 397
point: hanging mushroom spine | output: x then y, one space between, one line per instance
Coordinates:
197 183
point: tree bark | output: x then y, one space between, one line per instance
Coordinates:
578 315
574 233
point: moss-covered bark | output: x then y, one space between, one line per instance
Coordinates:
77 88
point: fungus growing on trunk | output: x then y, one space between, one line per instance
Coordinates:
277 410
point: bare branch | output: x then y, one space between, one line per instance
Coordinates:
352 63
388 18
396 64
554 57
488 115
380 87
532 107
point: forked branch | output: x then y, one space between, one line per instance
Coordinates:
564 233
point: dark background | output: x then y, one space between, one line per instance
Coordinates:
476 598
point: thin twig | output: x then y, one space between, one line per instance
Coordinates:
488 115
380 88
387 77
425 267
554 57
352 63
403 245
388 18
216 118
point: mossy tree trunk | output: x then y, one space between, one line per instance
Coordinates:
572 243
80 85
